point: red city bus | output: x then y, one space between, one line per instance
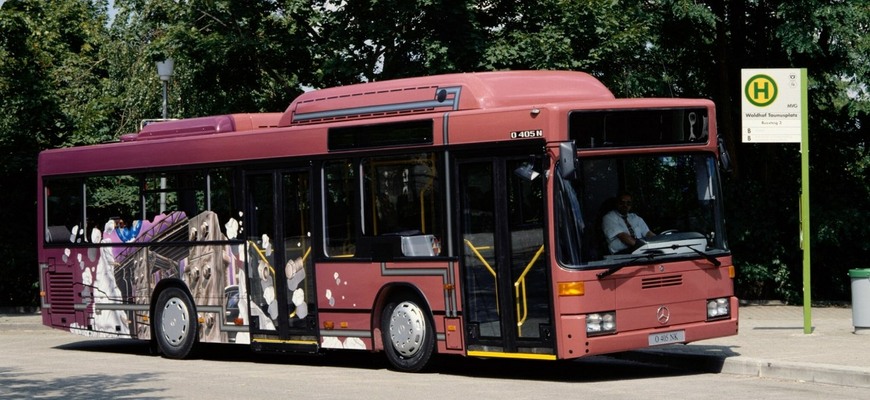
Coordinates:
467 214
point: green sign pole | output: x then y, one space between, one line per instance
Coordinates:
805 202
774 104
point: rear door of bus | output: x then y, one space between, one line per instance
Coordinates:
277 229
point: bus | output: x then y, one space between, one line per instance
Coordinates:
457 214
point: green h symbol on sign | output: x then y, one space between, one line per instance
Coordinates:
760 90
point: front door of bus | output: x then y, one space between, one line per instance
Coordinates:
507 302
280 280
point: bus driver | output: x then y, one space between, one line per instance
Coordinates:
622 228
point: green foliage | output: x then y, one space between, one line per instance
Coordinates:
69 76
764 281
370 40
230 56
50 96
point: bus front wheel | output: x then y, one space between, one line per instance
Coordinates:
175 323
409 338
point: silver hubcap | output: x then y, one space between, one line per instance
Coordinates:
175 321
407 328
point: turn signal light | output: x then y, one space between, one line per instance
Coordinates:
572 289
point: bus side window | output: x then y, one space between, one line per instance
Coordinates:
338 202
183 191
401 198
111 198
64 211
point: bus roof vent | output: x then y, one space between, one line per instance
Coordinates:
374 103
203 126
442 93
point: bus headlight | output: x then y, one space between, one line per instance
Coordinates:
601 323
718 308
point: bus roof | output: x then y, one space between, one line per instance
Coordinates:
440 93
259 136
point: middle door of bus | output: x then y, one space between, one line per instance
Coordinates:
280 287
505 277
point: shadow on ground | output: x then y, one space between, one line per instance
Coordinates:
18 385
630 365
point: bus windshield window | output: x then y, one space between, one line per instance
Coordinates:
671 203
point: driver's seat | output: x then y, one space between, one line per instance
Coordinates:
601 246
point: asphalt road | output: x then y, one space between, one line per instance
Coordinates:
38 362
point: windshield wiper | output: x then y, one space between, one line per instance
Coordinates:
651 255
709 258
612 270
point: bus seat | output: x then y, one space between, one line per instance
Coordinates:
58 234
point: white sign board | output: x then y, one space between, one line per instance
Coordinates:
772 102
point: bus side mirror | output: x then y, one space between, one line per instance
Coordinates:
567 159
724 157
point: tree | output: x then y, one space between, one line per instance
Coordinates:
830 39
371 40
50 75
68 76
610 40
230 56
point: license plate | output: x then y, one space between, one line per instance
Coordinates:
658 339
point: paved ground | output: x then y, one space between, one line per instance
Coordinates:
772 343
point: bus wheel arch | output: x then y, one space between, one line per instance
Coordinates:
407 329
174 321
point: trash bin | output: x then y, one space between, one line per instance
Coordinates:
860 299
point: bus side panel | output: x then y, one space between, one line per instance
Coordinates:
348 298
58 286
80 288
106 289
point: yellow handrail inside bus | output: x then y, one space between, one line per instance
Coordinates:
476 251
522 300
268 264
423 208
262 256
307 252
479 256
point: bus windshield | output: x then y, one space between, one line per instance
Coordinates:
671 202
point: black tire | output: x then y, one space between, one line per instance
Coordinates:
175 325
408 334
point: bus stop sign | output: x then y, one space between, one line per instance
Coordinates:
772 105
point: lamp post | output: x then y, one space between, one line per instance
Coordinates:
164 71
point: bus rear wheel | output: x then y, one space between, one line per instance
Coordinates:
175 326
409 338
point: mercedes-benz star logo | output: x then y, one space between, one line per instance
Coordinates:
663 314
